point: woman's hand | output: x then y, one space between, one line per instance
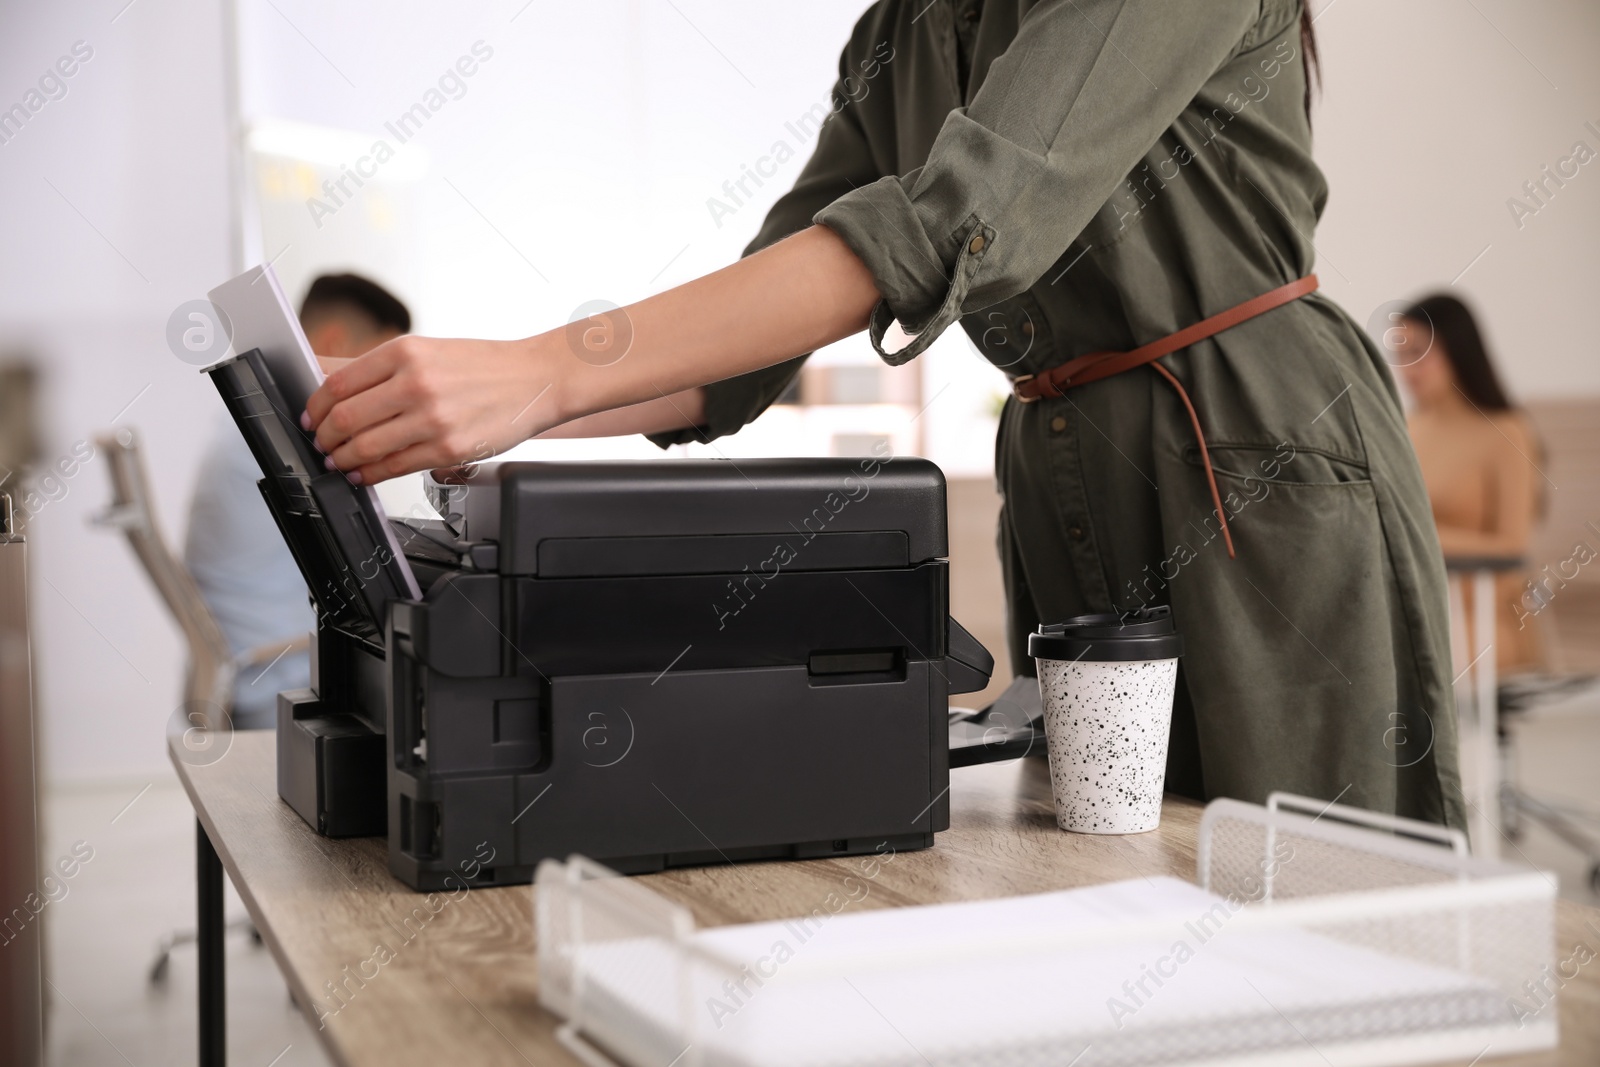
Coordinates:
416 403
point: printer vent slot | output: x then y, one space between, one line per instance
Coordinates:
860 666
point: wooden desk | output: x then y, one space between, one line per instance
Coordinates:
461 986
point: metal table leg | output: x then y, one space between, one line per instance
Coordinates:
209 940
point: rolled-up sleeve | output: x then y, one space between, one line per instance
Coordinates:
1062 117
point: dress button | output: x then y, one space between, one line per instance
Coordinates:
1075 532
1058 423
977 244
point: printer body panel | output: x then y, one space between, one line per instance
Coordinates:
692 678
650 771
695 497
585 626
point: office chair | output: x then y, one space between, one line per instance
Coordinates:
208 682
1511 698
1579 829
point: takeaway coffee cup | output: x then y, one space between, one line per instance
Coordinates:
1106 682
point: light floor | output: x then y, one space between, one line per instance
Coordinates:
101 939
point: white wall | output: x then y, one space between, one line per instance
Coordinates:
592 140
1435 112
88 276
577 163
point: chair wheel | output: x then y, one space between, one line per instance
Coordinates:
158 969
1594 879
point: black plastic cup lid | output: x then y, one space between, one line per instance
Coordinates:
1144 634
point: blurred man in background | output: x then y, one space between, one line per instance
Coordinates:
241 564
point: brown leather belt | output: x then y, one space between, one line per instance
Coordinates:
1097 365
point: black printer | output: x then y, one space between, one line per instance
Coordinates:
654 664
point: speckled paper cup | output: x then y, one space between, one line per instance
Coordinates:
1106 682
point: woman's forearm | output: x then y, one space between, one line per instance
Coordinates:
680 411
802 293
415 403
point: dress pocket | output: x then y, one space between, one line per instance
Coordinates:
1298 655
1280 464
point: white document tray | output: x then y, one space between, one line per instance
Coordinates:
1309 941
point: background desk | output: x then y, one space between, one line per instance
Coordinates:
462 986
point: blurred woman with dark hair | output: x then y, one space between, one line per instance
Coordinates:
1478 456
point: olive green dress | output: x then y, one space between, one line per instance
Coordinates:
1087 175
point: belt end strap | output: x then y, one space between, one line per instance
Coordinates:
1205 455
